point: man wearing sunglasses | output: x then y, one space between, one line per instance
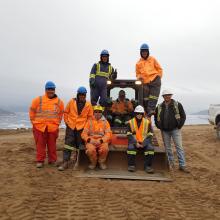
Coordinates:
140 135
77 112
46 113
97 135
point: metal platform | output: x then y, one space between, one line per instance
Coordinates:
121 174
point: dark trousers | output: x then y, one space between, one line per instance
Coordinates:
151 94
99 91
73 141
148 150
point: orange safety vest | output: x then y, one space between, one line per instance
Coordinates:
46 113
142 132
71 117
122 106
97 129
148 69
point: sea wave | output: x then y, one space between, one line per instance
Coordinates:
21 120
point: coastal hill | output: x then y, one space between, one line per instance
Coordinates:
4 112
203 112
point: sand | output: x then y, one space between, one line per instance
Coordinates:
29 193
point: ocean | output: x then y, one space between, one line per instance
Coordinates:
21 120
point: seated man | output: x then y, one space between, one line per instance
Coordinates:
140 137
122 110
97 135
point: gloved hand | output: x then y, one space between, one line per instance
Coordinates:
141 79
94 142
114 74
139 145
92 82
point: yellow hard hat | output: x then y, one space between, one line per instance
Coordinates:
98 108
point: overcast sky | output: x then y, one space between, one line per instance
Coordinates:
55 40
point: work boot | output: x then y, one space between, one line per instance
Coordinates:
131 168
63 166
171 165
39 165
52 164
149 170
102 166
184 169
92 166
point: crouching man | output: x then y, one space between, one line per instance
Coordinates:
140 138
97 135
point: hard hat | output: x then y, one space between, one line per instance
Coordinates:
144 47
50 85
98 108
81 90
139 109
104 53
167 92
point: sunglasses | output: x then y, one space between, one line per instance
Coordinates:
97 111
139 113
50 89
82 94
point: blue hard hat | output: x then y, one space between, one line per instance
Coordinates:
81 90
104 53
144 47
50 85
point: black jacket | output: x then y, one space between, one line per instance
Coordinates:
172 122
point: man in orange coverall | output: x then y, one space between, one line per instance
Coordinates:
46 113
149 71
122 110
97 135
76 114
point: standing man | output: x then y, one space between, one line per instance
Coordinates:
46 114
170 118
122 110
149 71
100 73
97 135
77 112
140 137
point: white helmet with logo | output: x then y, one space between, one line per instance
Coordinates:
139 109
167 92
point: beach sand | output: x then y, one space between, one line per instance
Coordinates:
30 193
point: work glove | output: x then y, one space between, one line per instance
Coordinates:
114 74
139 145
92 82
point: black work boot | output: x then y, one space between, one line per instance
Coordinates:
131 162
184 169
131 168
149 170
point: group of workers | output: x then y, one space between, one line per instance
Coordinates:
86 124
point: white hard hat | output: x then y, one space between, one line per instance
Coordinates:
167 92
139 109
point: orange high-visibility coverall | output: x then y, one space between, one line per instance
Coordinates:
148 69
100 131
75 120
46 115
123 107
